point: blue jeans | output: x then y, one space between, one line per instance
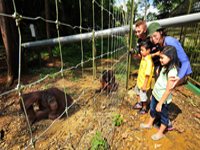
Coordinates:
164 114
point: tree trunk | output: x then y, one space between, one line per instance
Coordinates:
47 13
10 40
145 15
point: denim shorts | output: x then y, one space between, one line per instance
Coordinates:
164 114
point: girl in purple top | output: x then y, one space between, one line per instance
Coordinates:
156 35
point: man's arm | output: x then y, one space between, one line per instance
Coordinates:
155 54
137 56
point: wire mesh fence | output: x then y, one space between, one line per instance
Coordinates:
91 112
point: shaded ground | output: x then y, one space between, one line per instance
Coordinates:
15 134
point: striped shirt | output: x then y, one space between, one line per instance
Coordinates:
161 84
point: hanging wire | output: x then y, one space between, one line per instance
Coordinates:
57 27
82 49
97 110
100 105
108 35
61 71
17 18
102 36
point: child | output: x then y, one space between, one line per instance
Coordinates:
144 77
161 96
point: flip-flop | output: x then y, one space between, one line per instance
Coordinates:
153 137
145 127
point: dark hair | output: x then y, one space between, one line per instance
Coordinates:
163 32
170 51
147 44
163 35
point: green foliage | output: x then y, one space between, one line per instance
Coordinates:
53 76
190 50
71 53
46 86
151 16
192 102
98 143
116 119
44 71
73 78
166 6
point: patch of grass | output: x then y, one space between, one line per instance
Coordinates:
67 91
120 76
75 77
43 71
98 143
117 119
192 102
46 86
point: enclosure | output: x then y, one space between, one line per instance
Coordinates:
105 119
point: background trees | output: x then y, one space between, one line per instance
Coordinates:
10 40
68 13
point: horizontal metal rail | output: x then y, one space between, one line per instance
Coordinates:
168 22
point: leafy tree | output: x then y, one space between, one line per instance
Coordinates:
128 5
69 13
146 4
151 16
166 6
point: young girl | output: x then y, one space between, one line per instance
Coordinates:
161 95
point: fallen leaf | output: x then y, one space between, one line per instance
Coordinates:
158 145
109 115
197 120
130 139
124 120
181 130
103 107
138 138
197 136
197 115
124 135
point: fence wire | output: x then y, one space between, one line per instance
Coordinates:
117 52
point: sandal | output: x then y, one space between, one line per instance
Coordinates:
145 127
142 111
168 128
153 137
137 106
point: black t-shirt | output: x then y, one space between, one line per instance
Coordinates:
139 43
155 48
156 59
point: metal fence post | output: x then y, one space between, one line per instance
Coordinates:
94 66
130 44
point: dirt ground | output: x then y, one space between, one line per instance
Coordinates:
15 134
